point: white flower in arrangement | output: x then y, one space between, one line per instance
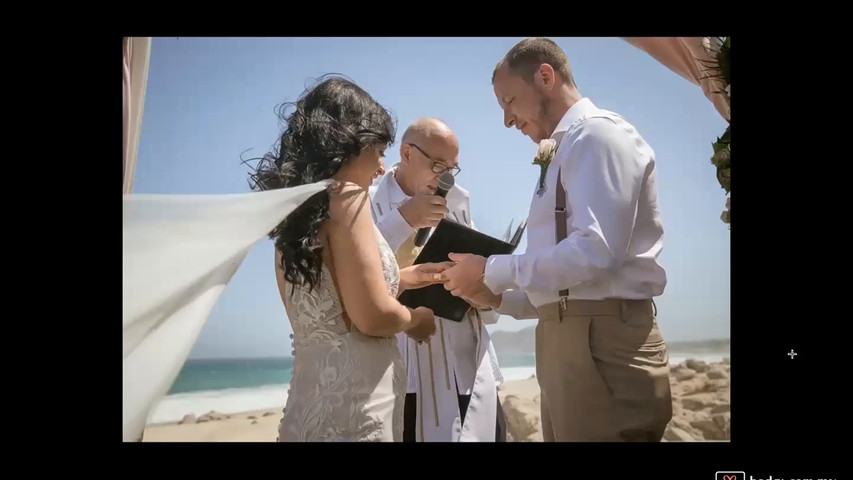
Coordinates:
726 216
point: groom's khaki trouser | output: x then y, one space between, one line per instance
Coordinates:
603 372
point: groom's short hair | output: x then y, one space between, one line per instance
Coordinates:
527 55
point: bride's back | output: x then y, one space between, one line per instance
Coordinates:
317 312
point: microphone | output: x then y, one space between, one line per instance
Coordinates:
445 183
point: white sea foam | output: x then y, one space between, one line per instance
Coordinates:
518 373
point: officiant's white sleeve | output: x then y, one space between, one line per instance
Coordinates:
603 172
395 229
489 317
179 252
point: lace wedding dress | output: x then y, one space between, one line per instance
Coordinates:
346 386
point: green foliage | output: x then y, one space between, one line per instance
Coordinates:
720 68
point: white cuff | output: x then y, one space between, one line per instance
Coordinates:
490 316
499 274
395 229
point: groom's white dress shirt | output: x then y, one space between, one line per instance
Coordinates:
613 221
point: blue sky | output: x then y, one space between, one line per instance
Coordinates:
209 99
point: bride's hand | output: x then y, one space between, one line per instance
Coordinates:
423 324
423 275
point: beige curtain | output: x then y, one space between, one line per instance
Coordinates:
137 51
684 56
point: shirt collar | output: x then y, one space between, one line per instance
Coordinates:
577 111
395 194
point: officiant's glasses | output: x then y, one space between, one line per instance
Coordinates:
438 167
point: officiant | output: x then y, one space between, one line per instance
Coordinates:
453 378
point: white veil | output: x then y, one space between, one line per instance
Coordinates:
179 252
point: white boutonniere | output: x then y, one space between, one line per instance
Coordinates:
547 149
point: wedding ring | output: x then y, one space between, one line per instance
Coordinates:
436 276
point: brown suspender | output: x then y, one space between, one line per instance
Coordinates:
560 224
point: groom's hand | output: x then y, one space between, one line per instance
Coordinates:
463 279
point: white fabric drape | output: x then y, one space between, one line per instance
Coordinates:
136 54
179 252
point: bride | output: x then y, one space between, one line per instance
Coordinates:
337 276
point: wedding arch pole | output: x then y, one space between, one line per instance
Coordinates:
136 54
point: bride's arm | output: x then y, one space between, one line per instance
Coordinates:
358 266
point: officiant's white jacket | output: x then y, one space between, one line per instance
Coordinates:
459 354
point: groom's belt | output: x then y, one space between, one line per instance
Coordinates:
590 308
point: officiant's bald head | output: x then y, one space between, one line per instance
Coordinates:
428 148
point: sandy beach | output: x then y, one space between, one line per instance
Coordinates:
256 426
701 412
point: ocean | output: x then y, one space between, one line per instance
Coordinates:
240 385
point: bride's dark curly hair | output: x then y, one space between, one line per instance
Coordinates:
330 125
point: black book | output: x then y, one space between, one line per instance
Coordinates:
452 237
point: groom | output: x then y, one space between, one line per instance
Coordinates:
590 270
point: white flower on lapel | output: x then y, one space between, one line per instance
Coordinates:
547 149
544 155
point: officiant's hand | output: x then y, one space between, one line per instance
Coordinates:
464 278
423 275
424 210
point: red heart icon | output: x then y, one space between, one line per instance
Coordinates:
729 477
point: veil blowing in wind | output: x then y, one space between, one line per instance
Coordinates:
178 254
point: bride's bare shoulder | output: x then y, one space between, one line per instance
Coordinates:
347 201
